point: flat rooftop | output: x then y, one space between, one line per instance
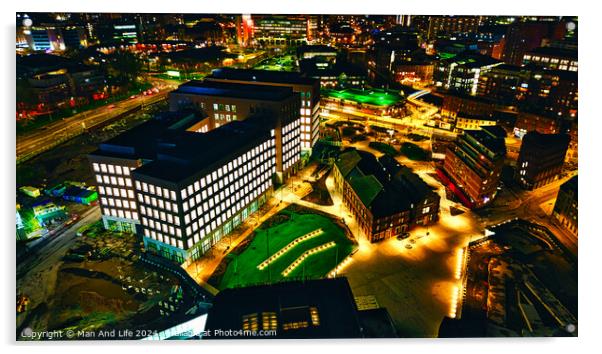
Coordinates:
280 77
141 141
235 90
374 97
188 154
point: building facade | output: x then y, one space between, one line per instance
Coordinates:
307 88
541 158
385 198
566 206
473 165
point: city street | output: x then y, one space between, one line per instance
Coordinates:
55 133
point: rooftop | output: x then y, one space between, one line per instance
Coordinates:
491 137
281 77
472 60
336 314
141 141
555 52
185 155
375 97
235 90
383 185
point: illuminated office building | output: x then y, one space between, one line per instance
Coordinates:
307 88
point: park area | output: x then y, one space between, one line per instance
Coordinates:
295 243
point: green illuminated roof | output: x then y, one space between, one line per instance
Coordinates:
375 97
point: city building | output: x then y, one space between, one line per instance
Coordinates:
395 45
414 72
456 102
465 121
385 198
116 158
323 51
473 165
522 37
307 88
552 58
540 159
333 74
566 206
56 82
439 25
542 122
280 30
462 72
55 38
323 308
553 91
181 189
504 84
375 102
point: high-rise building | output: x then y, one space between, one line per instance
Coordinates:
461 73
522 37
181 187
566 206
540 159
225 102
452 24
307 88
504 84
473 165
282 30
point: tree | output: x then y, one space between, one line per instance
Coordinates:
124 68
26 96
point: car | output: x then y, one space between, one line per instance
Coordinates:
111 106
133 96
403 236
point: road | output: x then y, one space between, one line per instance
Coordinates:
55 133
52 250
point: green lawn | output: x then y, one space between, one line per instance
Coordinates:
242 268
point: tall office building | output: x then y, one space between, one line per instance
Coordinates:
473 165
461 73
307 88
185 179
540 159
452 24
280 30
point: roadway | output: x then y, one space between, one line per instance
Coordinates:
35 142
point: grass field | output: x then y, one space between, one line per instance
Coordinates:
287 225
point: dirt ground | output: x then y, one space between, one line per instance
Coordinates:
97 284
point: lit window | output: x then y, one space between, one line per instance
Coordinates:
111 169
118 170
96 167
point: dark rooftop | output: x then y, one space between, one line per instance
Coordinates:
491 137
185 155
281 77
552 51
235 90
141 141
553 140
291 302
383 185
571 185
472 60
